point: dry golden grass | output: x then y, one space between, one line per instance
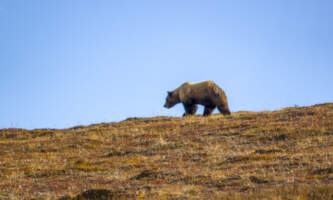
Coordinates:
285 154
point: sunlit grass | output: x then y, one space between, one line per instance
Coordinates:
285 154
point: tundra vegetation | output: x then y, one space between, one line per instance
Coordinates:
284 154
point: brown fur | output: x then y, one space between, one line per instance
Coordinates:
206 93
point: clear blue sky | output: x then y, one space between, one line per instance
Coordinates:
65 63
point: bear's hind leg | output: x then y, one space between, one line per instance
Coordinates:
224 109
208 110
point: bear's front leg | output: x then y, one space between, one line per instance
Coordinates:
190 109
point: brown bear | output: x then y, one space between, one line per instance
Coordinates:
206 93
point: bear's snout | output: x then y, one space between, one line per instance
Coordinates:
166 105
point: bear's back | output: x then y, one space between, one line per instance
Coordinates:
198 91
199 84
203 85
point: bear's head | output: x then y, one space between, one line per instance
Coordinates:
171 100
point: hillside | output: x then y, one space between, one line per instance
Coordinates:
285 154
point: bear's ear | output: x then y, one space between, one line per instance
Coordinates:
169 93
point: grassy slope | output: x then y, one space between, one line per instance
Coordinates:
277 155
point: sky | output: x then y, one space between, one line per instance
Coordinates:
65 63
